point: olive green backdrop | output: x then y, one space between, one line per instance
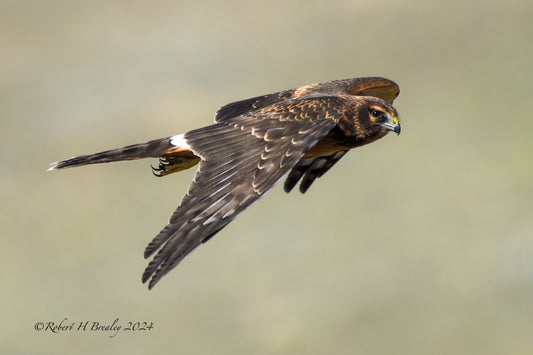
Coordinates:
417 244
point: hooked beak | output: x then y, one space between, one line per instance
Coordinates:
393 125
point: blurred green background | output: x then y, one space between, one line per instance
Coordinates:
417 244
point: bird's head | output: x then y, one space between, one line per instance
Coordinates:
382 116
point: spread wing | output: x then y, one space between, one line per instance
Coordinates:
238 108
242 157
382 88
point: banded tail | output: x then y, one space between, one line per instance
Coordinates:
173 152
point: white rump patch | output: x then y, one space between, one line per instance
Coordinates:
179 141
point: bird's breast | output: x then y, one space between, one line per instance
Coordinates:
337 140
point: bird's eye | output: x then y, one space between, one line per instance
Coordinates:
376 113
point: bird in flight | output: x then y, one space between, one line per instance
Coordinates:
251 145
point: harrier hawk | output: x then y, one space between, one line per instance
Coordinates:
253 143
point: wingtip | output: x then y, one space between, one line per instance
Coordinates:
287 187
150 284
148 276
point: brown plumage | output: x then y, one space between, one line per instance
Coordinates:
253 143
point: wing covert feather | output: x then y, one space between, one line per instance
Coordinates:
382 88
241 159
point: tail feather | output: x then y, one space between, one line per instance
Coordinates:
152 149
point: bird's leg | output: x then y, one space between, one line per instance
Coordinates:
169 165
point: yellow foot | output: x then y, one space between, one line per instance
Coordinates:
171 165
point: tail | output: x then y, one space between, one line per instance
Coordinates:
172 149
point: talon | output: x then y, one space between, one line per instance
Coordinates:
169 166
159 168
163 162
159 171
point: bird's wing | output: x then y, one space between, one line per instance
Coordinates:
382 88
242 107
241 159
310 169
